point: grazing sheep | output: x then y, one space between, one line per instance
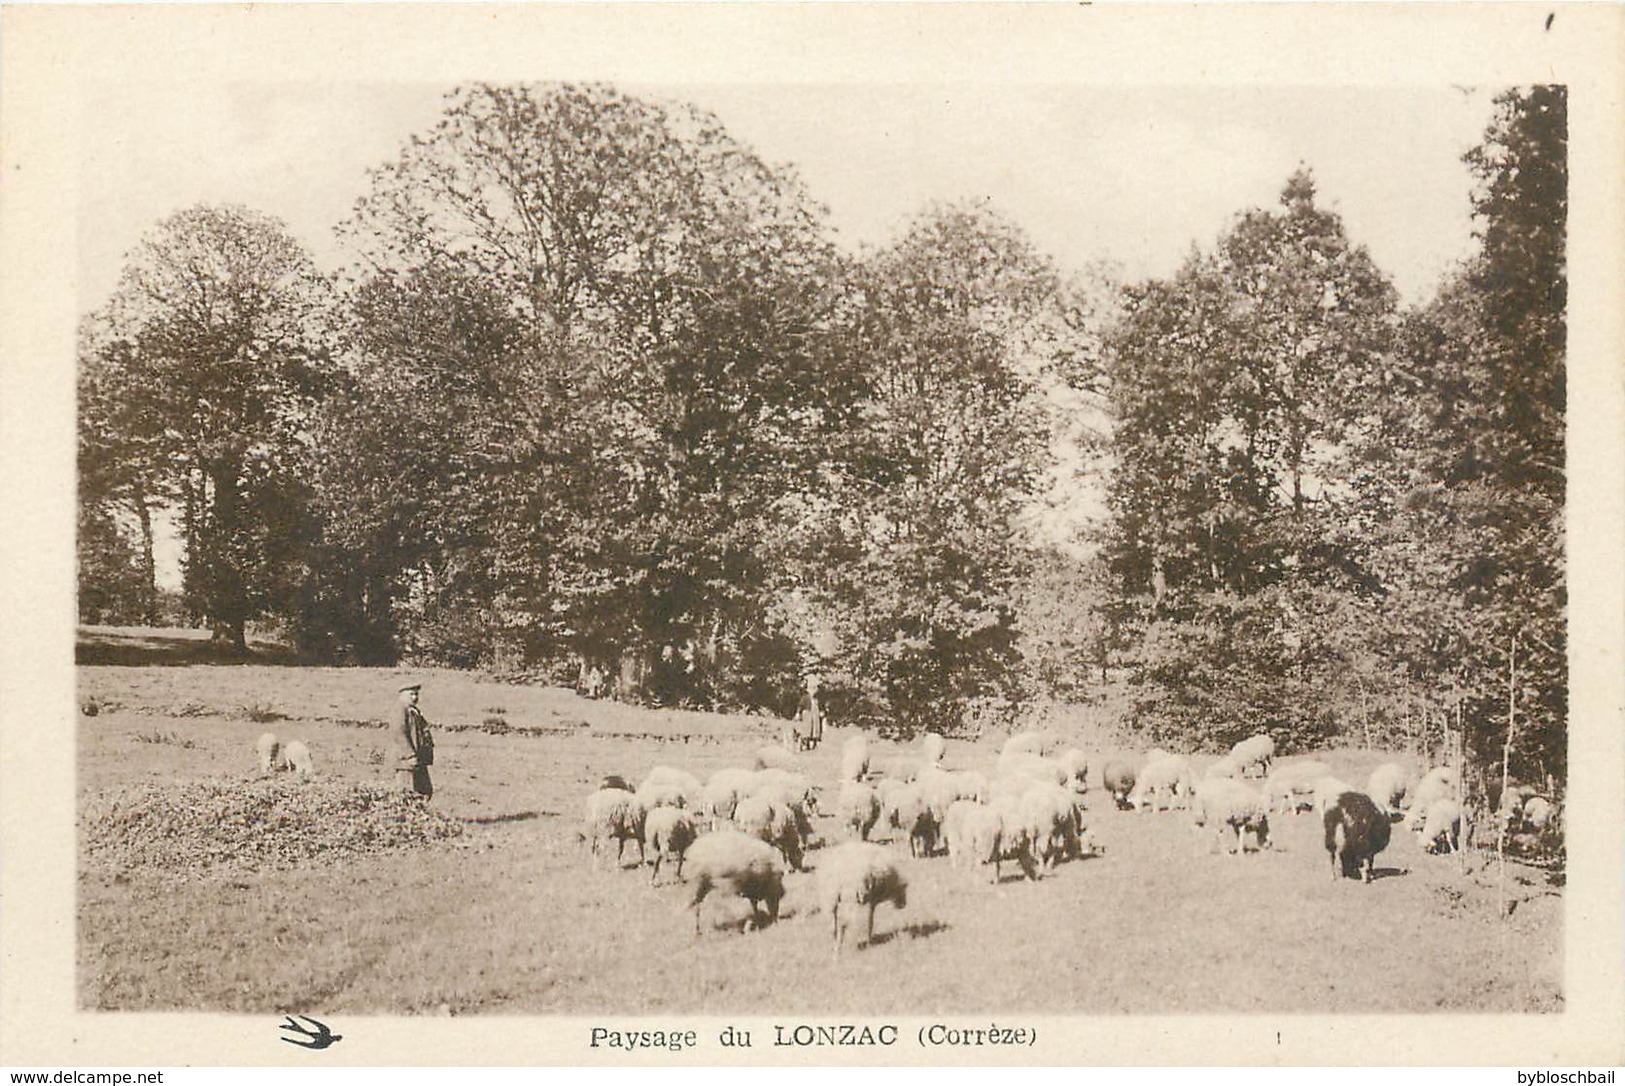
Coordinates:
932 748
858 807
859 876
668 831
1439 783
1538 812
1031 767
1119 778
905 809
941 789
787 787
981 834
1327 789
1167 779
1225 804
855 758
297 758
618 815
1028 743
1076 764
1291 785
723 792
668 792
773 757
736 863
1356 830
1049 814
1387 787
269 749
1257 750
1441 826
774 822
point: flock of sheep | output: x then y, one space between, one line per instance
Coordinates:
740 831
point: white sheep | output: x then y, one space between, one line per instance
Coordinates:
269 749
982 834
1387 787
858 875
774 822
1224 767
1165 782
904 808
1538 812
1439 783
932 748
668 831
669 791
1076 764
858 808
723 792
941 788
297 758
1033 767
1441 826
736 863
1257 750
1028 743
786 787
855 758
1049 815
1224 805
1290 786
1327 789
614 814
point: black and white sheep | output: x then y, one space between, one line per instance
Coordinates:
735 863
775 822
1356 830
858 875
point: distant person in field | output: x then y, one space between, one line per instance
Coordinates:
809 720
415 742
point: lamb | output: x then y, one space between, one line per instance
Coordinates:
1439 783
1257 750
269 749
618 815
1168 778
1387 787
668 831
736 863
857 875
1291 785
858 807
1225 804
932 748
297 758
1441 826
774 822
855 758
1118 778
1356 830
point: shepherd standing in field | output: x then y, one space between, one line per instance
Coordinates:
809 720
415 741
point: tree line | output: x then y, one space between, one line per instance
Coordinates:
600 390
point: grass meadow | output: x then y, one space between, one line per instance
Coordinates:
513 916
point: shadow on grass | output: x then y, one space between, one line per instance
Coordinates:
923 930
495 820
179 647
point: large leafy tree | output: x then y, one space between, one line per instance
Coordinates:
197 381
656 291
1239 387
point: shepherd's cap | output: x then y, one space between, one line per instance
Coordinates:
411 686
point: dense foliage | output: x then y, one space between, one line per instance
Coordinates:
600 392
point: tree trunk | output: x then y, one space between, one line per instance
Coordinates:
149 567
228 602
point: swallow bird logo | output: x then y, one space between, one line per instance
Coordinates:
319 1037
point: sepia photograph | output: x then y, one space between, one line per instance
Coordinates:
631 545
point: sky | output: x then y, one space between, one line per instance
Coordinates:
1131 178
1128 176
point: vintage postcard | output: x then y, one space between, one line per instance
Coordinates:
785 534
